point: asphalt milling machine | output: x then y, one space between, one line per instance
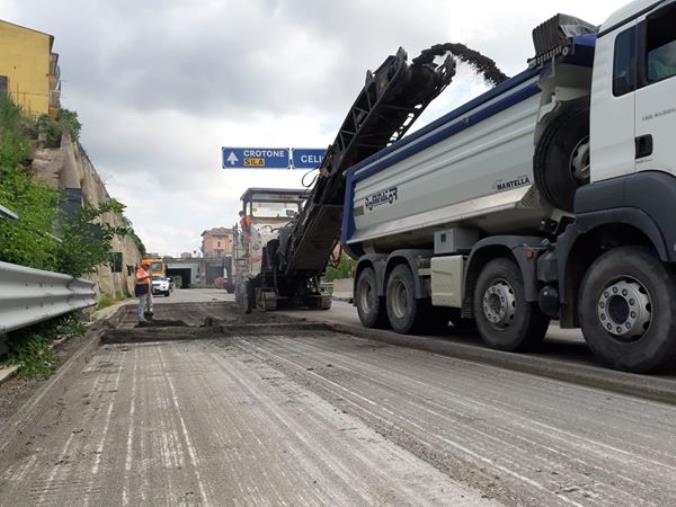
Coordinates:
392 98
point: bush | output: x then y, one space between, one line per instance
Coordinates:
344 269
106 300
26 241
30 348
70 123
30 241
86 241
53 130
15 147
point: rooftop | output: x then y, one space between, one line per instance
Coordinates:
217 231
51 37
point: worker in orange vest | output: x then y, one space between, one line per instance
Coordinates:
245 223
142 289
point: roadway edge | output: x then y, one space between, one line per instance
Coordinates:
58 383
643 386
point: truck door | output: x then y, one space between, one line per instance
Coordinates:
613 104
656 97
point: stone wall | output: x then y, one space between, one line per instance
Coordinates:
69 167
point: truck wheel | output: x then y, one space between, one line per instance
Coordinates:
561 160
404 311
504 318
628 310
370 307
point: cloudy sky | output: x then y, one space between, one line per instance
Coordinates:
162 85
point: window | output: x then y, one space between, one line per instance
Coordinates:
624 64
4 86
116 262
660 47
218 244
275 209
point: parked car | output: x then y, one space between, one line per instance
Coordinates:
161 285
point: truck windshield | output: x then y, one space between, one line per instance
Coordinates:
274 209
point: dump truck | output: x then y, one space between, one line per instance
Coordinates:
550 197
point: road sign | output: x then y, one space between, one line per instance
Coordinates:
307 158
255 158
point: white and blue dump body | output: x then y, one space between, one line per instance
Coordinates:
472 167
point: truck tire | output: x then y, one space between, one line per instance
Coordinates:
561 160
504 318
370 307
628 310
404 312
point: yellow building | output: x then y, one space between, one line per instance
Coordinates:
29 71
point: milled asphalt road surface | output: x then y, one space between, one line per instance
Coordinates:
282 417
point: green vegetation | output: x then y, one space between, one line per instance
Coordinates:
85 239
134 237
54 129
106 300
43 238
344 269
70 123
30 348
26 241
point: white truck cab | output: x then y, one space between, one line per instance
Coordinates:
633 100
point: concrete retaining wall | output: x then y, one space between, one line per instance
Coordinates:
342 289
70 167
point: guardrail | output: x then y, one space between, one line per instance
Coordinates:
29 296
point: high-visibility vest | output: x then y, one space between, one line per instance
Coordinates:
246 221
140 273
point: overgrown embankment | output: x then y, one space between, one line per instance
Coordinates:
45 236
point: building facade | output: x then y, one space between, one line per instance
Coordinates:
217 242
29 70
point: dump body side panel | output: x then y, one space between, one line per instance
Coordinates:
478 161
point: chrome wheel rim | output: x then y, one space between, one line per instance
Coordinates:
624 309
499 304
